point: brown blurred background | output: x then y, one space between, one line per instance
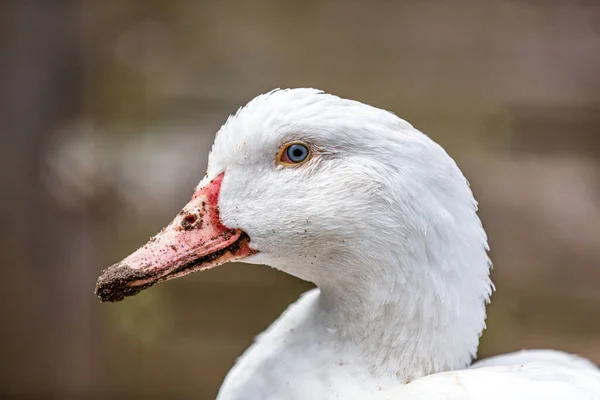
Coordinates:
108 111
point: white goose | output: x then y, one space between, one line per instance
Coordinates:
381 219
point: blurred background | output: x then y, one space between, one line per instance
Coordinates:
108 109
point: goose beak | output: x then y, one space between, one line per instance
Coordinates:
195 240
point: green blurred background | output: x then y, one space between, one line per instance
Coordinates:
108 111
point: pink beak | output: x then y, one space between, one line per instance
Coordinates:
195 240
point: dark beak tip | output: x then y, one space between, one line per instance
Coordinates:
114 283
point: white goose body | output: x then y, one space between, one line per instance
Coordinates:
389 233
294 360
381 219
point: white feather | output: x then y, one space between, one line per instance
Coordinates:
382 220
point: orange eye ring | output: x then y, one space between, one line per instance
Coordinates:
294 154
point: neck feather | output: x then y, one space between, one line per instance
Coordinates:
419 309
416 331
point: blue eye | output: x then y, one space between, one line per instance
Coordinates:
296 153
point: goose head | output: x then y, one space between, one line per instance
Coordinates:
347 196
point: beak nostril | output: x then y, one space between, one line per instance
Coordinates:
188 221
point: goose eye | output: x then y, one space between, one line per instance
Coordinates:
294 153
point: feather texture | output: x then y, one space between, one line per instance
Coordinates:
383 221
